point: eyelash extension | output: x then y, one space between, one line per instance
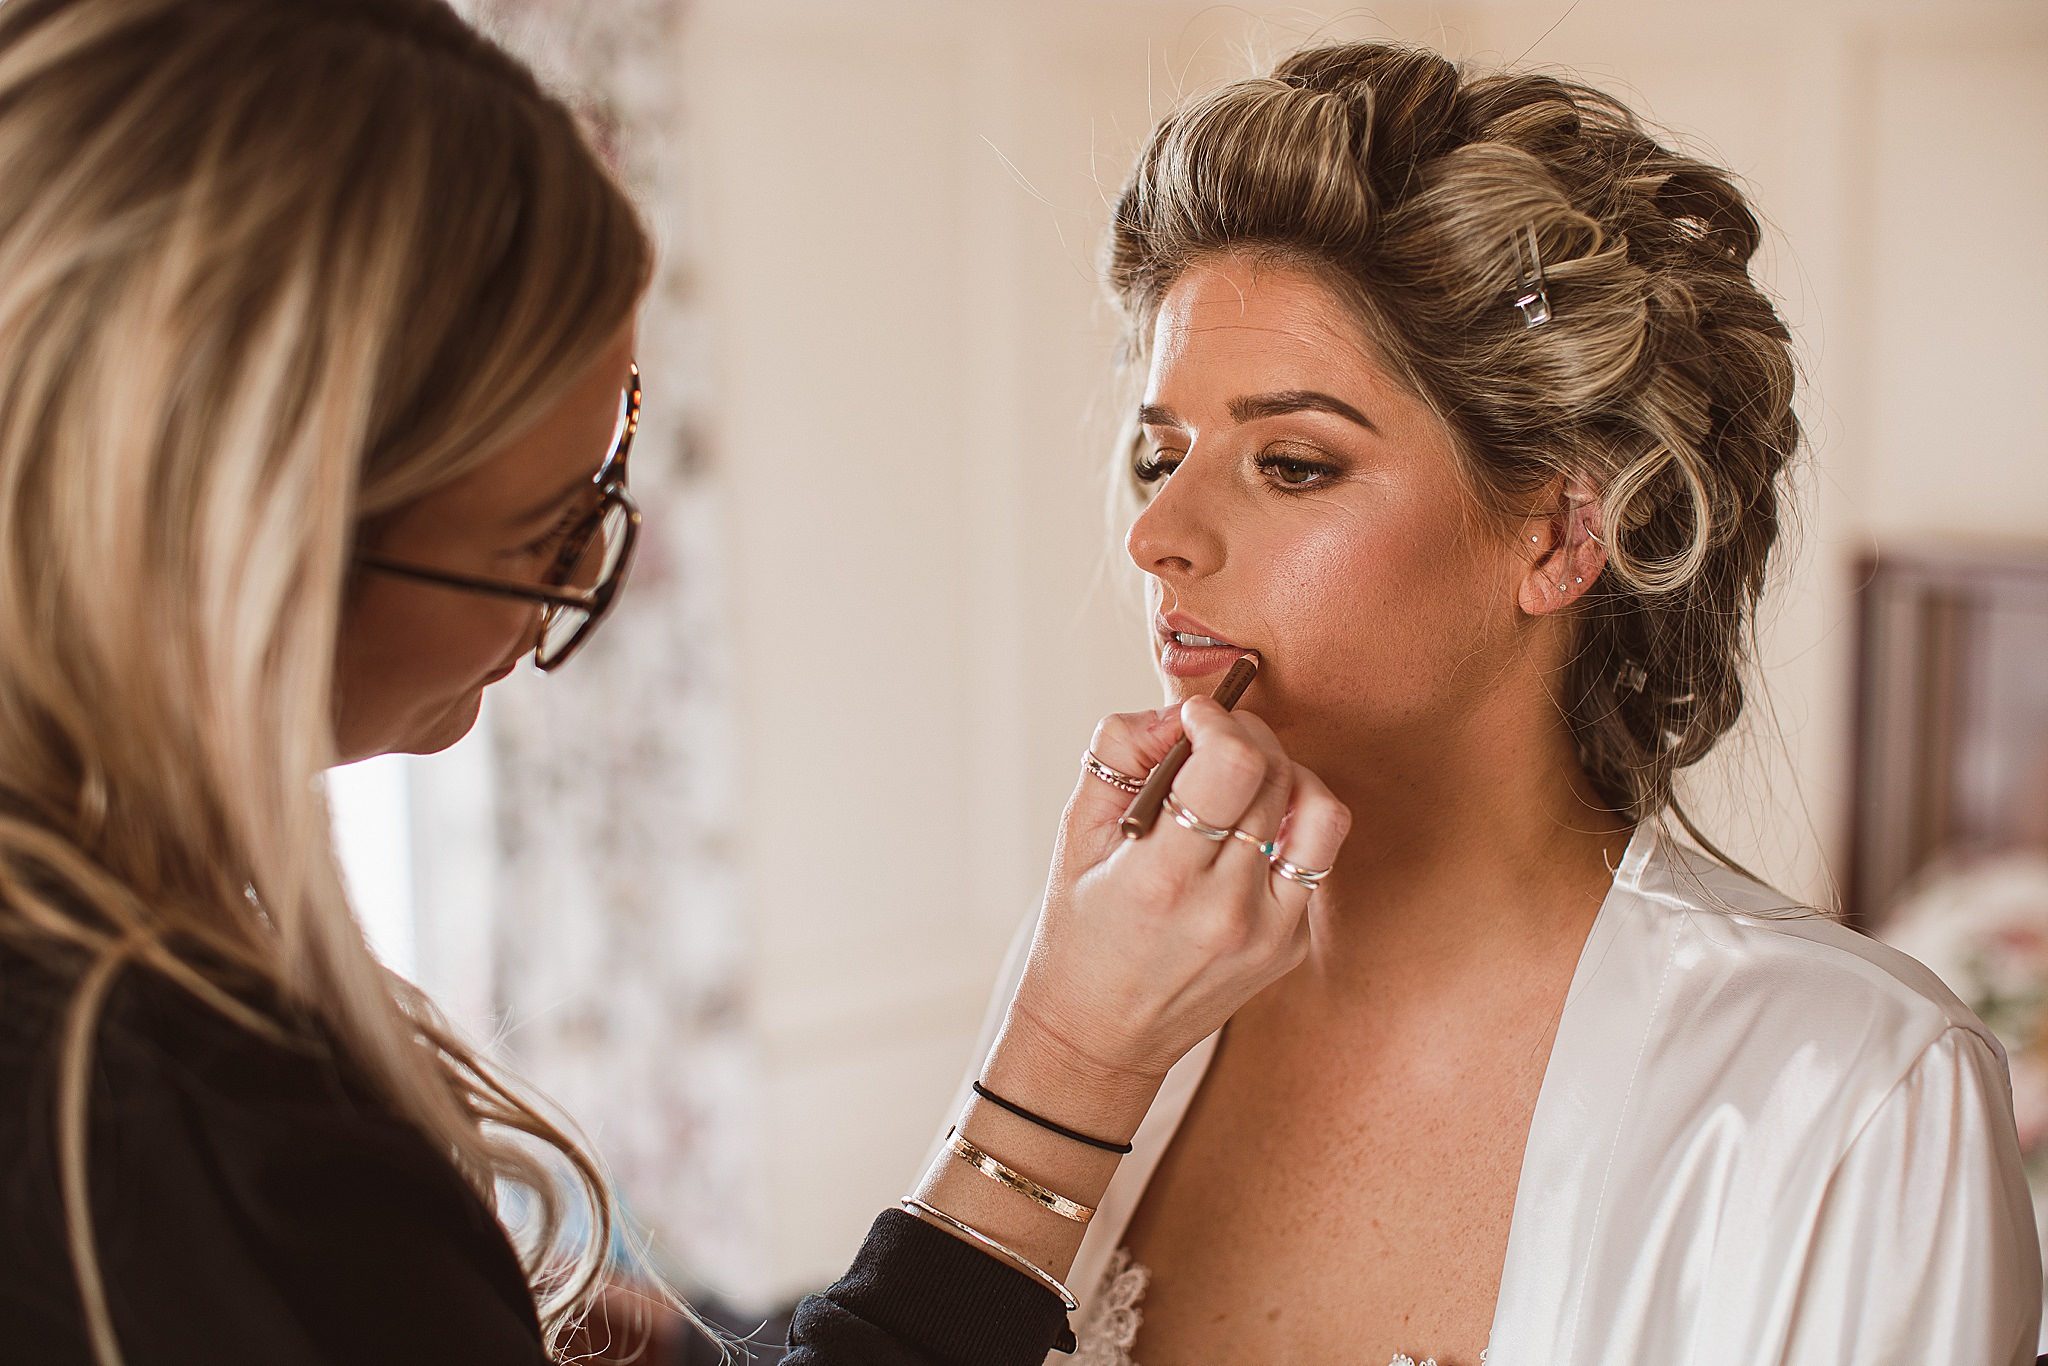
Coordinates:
1151 469
1287 462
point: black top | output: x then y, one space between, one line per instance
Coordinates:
253 1204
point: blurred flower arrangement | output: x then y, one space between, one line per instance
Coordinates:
1983 929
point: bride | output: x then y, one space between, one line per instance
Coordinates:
1462 409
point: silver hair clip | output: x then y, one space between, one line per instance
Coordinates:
1533 296
1633 677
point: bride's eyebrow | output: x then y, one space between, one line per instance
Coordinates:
1254 407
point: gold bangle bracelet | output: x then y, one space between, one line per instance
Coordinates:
1045 1278
1016 1181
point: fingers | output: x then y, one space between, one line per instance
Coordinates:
1225 773
1130 743
1238 775
1221 773
1269 808
1265 817
1312 835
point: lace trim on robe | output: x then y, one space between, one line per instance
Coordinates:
1109 1333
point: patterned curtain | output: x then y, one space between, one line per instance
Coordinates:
614 949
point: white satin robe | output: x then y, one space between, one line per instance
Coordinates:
1757 1141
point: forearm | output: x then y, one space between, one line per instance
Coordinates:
921 1293
1046 1079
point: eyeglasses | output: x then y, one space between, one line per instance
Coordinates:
584 580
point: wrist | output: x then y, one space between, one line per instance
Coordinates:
1038 1067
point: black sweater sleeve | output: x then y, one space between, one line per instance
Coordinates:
918 1296
251 1204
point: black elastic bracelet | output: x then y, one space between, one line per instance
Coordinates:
1044 1123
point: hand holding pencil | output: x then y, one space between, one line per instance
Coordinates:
1148 943
1143 813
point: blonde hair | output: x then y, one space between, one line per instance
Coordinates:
1664 381
268 268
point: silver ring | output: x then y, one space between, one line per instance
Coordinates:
1188 820
1310 878
1122 782
1270 848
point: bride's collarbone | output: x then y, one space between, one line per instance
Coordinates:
1283 1076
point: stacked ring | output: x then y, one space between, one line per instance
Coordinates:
1188 820
1310 878
1122 782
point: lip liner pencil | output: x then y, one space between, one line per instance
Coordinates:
1143 812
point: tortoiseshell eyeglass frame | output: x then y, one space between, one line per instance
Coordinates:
553 597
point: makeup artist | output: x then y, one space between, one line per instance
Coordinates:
317 399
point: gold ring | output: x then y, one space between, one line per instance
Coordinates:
1122 782
1294 872
1188 820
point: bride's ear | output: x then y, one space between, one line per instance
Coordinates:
1564 549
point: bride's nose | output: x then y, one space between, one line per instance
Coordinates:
1178 533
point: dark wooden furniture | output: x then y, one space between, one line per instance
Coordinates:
1950 753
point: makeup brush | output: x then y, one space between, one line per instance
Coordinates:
1143 812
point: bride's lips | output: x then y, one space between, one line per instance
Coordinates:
1181 657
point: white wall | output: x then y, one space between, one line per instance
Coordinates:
372 814
907 356
901 204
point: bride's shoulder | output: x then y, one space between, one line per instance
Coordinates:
1800 976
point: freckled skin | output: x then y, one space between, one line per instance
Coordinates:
414 658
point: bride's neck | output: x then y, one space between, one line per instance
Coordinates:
1467 852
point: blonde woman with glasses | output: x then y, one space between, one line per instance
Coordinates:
317 399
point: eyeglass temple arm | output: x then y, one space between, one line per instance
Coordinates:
526 592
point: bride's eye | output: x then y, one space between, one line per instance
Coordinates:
1290 472
1149 467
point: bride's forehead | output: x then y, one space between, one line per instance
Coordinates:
1236 292
1268 325
1248 304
